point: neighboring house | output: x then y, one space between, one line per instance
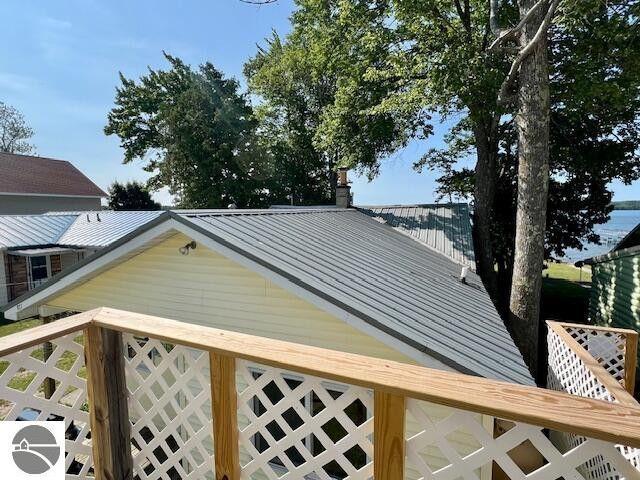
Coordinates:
32 185
33 248
615 285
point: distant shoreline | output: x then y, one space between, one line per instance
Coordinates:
626 205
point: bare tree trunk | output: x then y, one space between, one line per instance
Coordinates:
532 123
484 196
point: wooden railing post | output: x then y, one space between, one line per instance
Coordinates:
224 410
630 361
107 394
388 436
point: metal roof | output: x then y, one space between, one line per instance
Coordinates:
444 227
28 230
369 270
101 228
95 229
379 275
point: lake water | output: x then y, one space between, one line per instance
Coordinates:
621 223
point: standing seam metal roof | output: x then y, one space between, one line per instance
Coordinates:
26 230
381 275
444 227
77 229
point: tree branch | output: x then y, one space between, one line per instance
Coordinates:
511 33
515 66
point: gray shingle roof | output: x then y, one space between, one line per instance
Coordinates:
443 227
380 275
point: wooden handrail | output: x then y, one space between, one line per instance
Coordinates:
560 411
624 331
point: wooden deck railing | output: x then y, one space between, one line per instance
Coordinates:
593 362
207 403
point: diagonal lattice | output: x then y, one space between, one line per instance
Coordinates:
48 383
607 347
170 409
568 373
295 426
466 463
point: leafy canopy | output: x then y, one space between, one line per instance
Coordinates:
131 196
195 132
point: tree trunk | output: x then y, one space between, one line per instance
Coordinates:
532 123
484 196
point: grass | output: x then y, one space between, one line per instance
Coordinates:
566 271
565 292
23 377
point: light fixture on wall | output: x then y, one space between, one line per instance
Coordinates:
189 246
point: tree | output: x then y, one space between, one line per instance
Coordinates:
293 91
14 131
131 196
195 132
409 60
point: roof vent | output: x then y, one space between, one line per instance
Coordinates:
232 206
463 274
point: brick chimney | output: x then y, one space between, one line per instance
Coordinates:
343 190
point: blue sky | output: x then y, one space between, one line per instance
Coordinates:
59 64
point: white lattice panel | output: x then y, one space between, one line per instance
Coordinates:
467 464
605 346
170 409
568 373
296 426
22 395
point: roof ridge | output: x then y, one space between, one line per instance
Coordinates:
409 205
257 211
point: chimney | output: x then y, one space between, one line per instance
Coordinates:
343 190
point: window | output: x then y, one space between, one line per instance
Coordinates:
39 270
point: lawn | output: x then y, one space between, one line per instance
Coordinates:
23 378
565 292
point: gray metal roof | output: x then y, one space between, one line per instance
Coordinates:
102 228
380 275
27 230
95 229
369 270
444 227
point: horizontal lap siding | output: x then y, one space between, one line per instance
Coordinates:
206 288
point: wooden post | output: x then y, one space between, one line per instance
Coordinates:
47 349
388 436
224 410
107 394
630 361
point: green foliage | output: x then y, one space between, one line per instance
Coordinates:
293 92
131 196
195 132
